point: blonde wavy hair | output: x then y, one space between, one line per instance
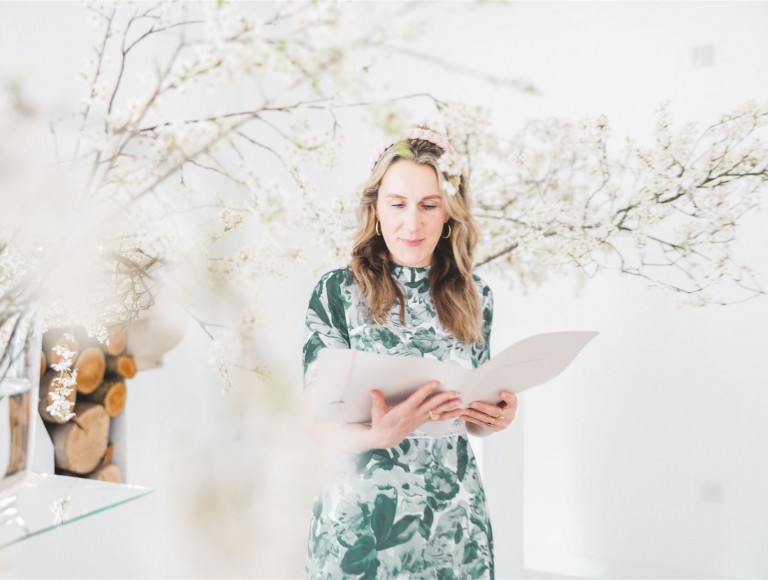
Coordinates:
451 286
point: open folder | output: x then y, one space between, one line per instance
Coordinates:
345 377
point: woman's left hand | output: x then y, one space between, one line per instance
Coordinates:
495 417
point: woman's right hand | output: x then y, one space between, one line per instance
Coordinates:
392 424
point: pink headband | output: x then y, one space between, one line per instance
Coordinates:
449 160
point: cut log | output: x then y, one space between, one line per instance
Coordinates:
45 400
56 337
90 365
43 362
80 444
122 366
117 341
109 472
111 394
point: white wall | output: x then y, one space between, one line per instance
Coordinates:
644 459
664 410
647 458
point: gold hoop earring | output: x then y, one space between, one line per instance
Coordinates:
448 235
378 232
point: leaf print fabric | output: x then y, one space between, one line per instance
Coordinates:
416 510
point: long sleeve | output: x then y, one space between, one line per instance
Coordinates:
325 321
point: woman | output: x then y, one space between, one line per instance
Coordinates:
408 505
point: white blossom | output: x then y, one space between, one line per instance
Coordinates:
217 200
61 509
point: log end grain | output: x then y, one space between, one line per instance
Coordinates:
122 366
114 402
116 341
90 366
80 444
111 394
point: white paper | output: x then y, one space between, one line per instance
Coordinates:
346 377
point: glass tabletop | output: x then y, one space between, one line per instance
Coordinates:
45 502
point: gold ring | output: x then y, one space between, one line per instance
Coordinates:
434 416
500 416
493 420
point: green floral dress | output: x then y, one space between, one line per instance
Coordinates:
416 510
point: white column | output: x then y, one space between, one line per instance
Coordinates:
503 478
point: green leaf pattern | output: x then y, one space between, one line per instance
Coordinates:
417 510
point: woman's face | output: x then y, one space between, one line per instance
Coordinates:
411 212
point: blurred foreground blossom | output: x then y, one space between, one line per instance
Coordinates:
161 182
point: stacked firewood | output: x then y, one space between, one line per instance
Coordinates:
82 445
